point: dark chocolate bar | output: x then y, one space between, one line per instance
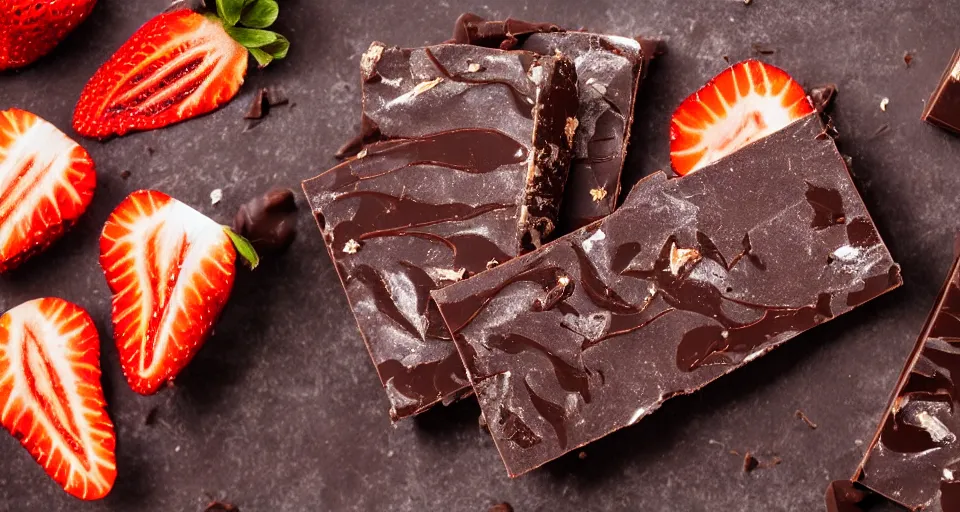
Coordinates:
609 70
476 144
688 280
914 458
943 107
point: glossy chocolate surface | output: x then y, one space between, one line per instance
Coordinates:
268 221
943 107
914 458
688 280
469 173
609 70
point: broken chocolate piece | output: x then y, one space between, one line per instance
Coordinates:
472 29
263 100
802 416
913 458
609 71
943 107
845 496
269 221
750 462
635 332
470 170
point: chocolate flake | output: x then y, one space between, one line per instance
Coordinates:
763 49
803 417
884 128
501 507
907 58
822 97
750 462
125 174
220 506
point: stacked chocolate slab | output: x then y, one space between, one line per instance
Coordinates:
467 158
479 151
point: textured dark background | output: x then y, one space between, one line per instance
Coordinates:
282 410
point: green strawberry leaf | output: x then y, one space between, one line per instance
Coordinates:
263 58
279 48
260 14
244 248
252 37
229 11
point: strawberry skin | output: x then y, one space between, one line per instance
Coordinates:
50 394
746 102
178 65
29 29
46 182
171 270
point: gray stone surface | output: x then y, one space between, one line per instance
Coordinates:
282 411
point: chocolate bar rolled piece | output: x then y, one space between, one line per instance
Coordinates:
609 69
688 280
943 107
470 173
914 458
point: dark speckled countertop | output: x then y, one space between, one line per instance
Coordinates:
282 410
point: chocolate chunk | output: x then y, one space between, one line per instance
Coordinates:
268 221
913 458
472 29
750 462
263 100
609 69
690 279
822 97
470 169
943 107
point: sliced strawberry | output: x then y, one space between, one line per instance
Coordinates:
50 394
179 65
46 183
29 29
744 103
171 270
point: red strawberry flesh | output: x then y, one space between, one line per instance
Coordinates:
50 394
46 183
171 270
178 65
29 29
746 102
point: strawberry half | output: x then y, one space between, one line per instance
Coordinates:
29 29
50 394
179 65
746 102
46 183
171 270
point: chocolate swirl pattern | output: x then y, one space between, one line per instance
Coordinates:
468 173
914 458
688 280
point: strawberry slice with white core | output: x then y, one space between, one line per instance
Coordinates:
50 394
746 102
46 182
171 270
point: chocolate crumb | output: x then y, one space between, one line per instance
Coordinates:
125 174
762 49
803 417
501 507
269 221
582 455
151 417
880 131
907 58
151 151
726 58
219 506
263 100
750 463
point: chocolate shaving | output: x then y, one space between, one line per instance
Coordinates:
263 100
884 128
907 58
750 463
803 417
125 174
762 49
501 507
